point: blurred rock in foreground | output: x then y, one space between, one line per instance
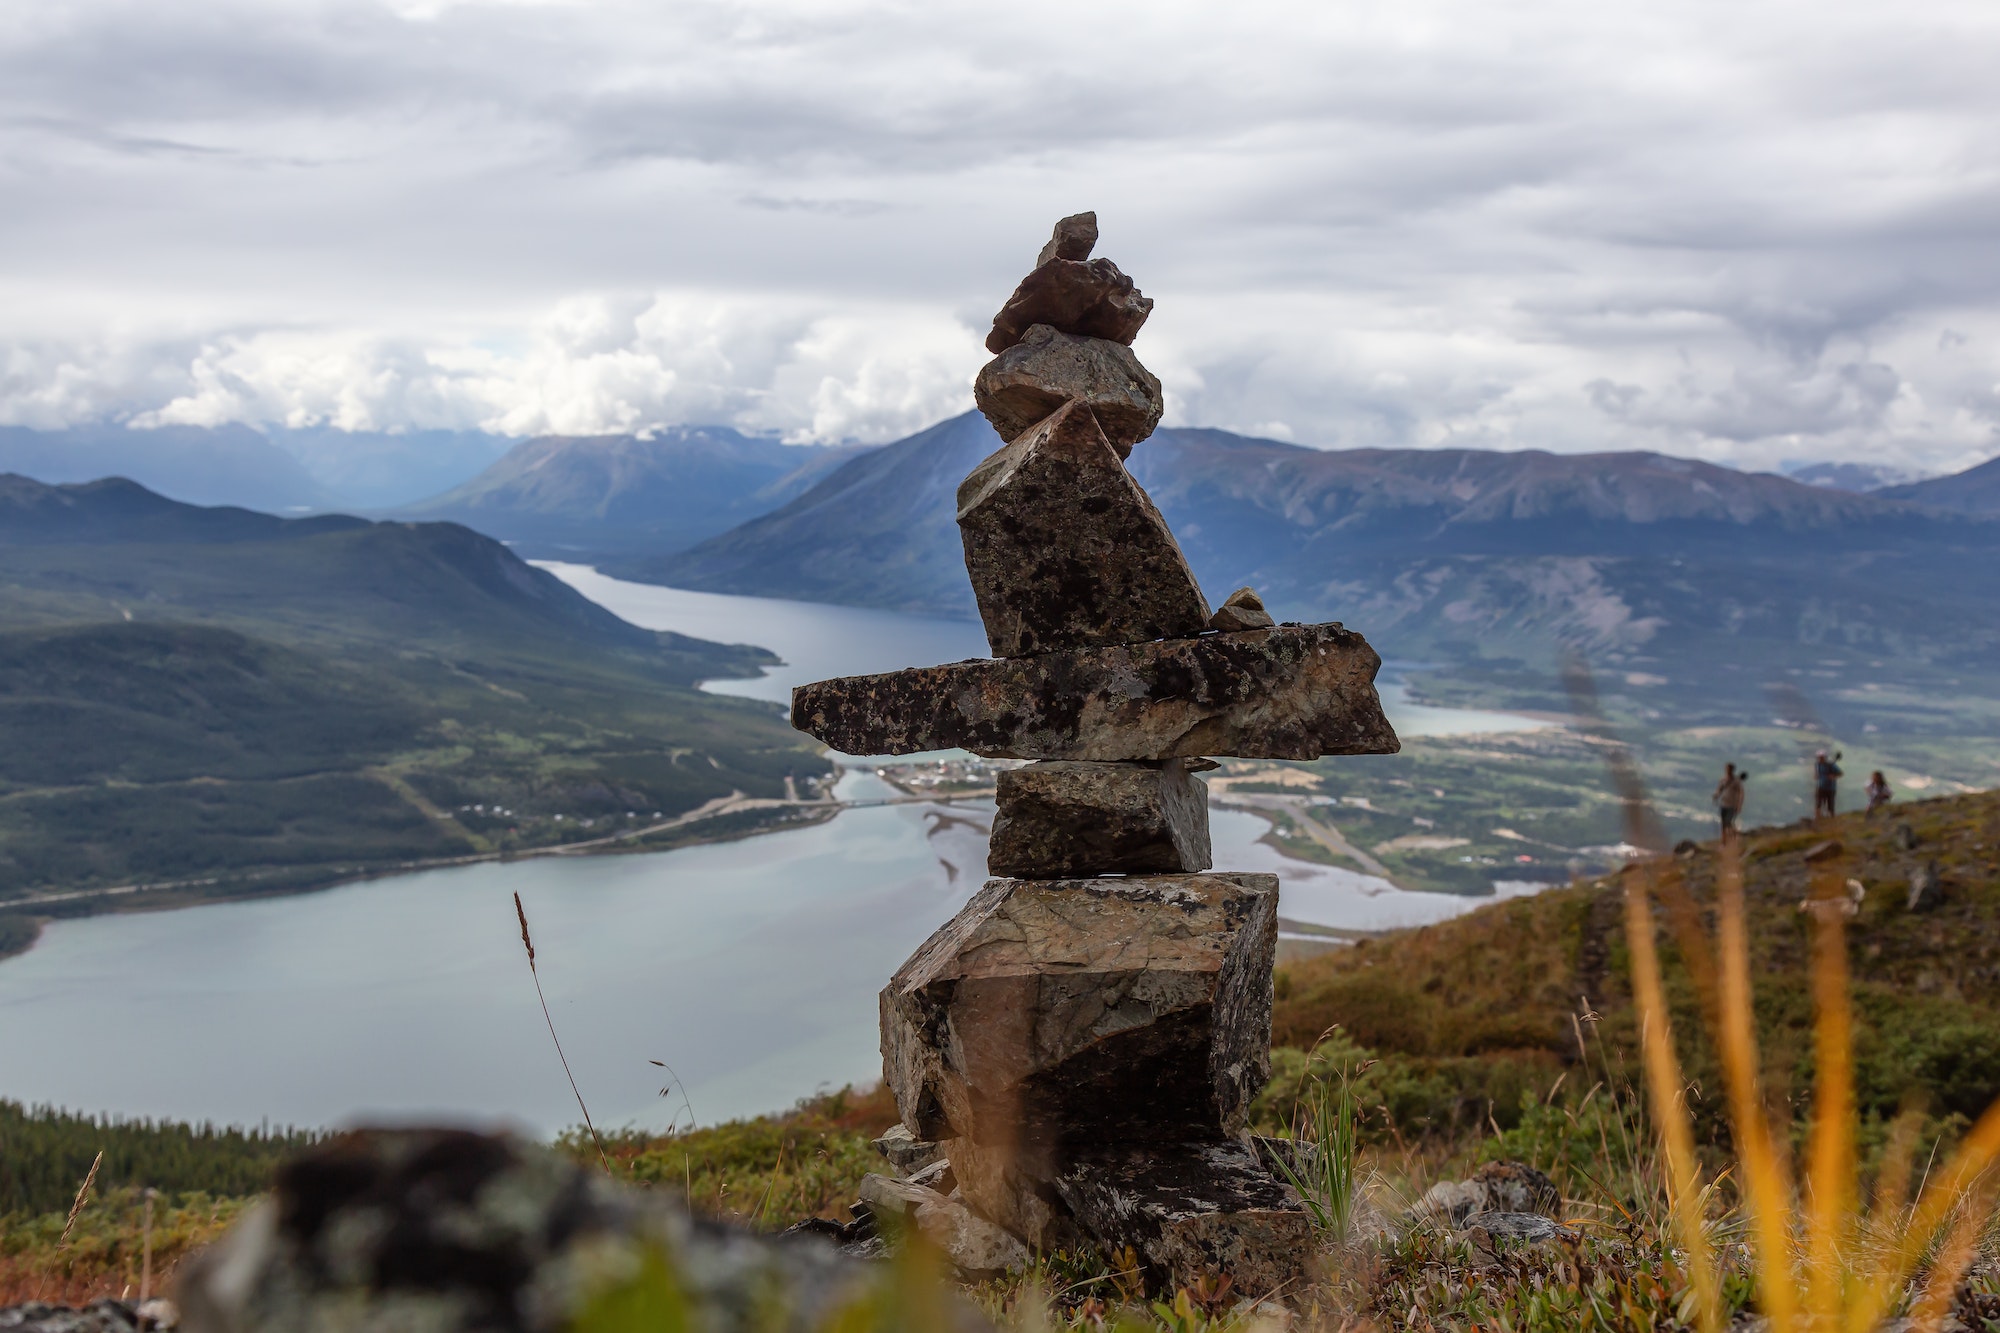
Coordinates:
438 1229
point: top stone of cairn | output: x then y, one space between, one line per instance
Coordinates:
1072 293
1075 237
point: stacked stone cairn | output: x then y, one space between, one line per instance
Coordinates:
1083 1040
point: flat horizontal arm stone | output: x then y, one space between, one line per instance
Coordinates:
1292 692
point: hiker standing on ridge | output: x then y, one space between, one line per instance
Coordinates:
1826 782
1728 799
1878 791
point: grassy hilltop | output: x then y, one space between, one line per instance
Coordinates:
240 703
1505 1034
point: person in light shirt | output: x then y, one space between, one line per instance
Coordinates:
1728 799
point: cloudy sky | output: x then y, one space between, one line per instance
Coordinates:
1749 232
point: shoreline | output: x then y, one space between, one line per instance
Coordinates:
174 895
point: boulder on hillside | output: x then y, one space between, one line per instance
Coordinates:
1066 550
1047 369
1926 887
1497 1187
1053 1012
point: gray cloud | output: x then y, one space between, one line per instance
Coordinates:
1748 233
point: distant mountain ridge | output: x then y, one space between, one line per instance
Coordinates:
221 465
878 530
278 470
1449 552
1973 491
658 492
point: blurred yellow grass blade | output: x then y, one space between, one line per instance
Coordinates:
1892 1178
1830 1173
1976 1154
1663 1082
1764 1183
1927 1315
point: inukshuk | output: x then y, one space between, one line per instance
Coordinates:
1088 1032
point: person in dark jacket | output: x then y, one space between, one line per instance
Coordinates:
1826 783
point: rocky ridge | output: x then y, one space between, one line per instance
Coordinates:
1076 1053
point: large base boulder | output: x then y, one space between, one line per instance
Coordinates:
1064 548
1192 1211
1087 1010
1062 817
1293 692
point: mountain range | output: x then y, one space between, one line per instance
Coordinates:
1475 557
1974 491
246 701
279 470
655 493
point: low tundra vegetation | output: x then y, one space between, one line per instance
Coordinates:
1752 1110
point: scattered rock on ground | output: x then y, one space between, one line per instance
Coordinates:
1516 1187
442 1229
1824 851
937 1176
904 1151
1048 369
1496 1187
1087 297
977 1247
1294 692
1064 548
1062 817
1926 887
1494 1231
1241 610
106 1316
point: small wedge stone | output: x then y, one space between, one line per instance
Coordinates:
1060 818
1241 610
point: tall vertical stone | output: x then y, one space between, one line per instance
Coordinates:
1065 549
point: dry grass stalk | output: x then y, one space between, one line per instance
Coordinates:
528 941
146 1261
83 1190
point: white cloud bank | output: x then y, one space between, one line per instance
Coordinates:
1749 233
